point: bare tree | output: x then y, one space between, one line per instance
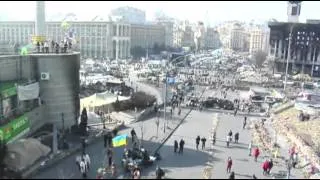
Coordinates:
259 58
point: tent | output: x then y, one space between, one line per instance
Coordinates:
305 77
100 99
24 152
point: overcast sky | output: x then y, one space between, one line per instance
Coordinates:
207 11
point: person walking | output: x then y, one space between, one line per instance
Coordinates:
176 145
256 154
254 176
244 122
230 134
295 160
289 167
236 137
203 140
250 148
87 160
181 145
109 155
265 167
270 166
83 168
232 175
159 173
197 142
229 164
133 134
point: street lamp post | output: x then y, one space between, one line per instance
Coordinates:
288 57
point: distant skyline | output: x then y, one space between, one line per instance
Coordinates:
206 11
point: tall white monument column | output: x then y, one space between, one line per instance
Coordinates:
40 18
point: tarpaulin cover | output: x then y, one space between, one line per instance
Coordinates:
28 92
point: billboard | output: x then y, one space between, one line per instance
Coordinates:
14 129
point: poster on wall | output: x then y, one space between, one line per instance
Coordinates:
6 103
28 92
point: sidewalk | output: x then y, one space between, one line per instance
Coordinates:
243 164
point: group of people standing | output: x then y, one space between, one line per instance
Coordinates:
179 146
229 138
63 46
203 141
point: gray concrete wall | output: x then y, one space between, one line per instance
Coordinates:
60 94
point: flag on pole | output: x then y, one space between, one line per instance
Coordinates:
120 140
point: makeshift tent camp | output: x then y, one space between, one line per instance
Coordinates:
24 153
100 99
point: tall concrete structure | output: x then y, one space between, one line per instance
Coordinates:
293 11
40 18
212 39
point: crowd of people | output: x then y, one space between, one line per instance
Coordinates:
56 47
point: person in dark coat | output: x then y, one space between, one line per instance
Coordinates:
133 134
270 166
229 164
244 122
197 142
203 140
236 137
232 175
176 146
181 145
38 47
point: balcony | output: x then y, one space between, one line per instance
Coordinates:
17 112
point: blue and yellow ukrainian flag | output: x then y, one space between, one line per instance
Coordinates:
120 140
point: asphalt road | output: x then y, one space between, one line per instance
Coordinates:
67 169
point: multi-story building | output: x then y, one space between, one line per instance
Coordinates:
237 37
257 36
16 31
130 15
96 39
211 39
183 34
147 35
168 25
304 50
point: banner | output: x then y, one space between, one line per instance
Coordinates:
9 92
14 128
119 140
28 92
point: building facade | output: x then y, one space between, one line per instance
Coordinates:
147 35
94 39
168 26
183 35
130 15
211 39
304 54
238 37
256 39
